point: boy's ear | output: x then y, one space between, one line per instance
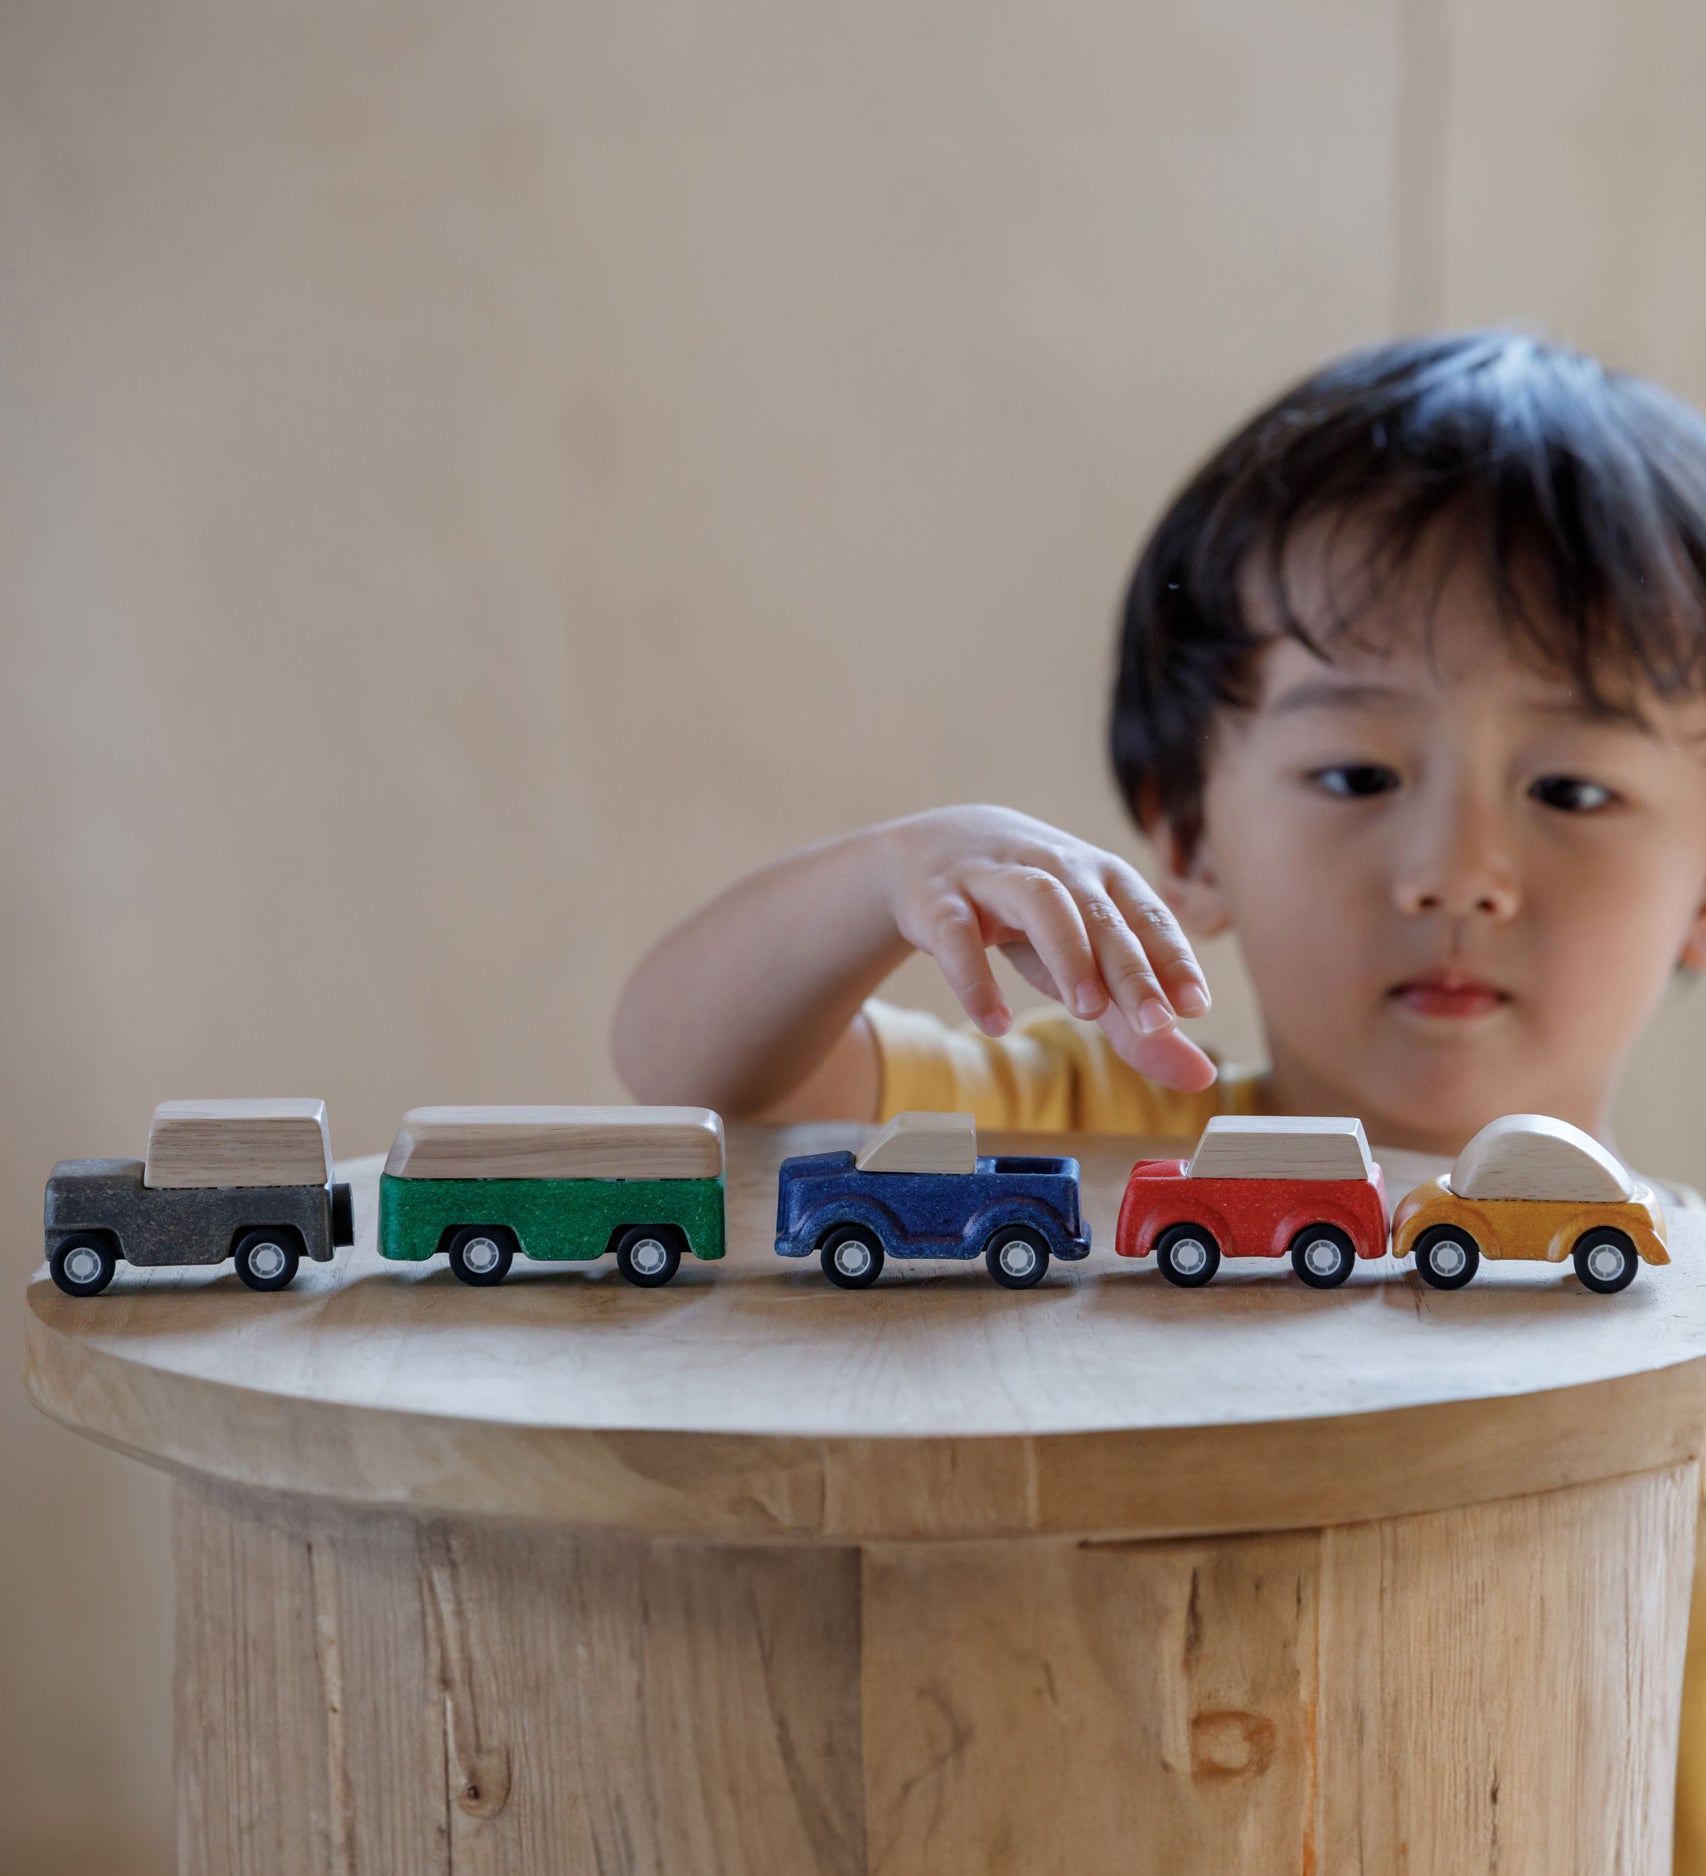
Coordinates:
1189 880
1694 944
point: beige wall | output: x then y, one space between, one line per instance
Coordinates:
473 480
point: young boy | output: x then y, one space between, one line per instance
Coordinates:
1411 695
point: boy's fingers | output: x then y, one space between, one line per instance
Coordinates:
1163 941
1124 965
954 938
1033 902
1170 1058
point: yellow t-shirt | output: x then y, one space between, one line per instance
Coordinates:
1049 1074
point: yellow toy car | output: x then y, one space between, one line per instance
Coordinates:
1535 1188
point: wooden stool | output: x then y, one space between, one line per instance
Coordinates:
751 1576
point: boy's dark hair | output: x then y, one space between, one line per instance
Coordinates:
1582 492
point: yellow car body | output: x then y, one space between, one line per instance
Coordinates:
1542 1230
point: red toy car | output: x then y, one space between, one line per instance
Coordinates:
1259 1187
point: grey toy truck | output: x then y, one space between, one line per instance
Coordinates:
248 1180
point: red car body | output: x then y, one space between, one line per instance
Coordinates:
1250 1217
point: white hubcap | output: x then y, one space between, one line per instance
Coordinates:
853 1258
481 1254
1189 1256
1605 1262
1449 1258
1017 1257
648 1257
83 1266
1322 1256
266 1260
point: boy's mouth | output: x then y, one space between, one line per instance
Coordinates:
1449 994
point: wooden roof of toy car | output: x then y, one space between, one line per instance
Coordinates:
558 1143
919 1142
1532 1156
238 1143
1298 1146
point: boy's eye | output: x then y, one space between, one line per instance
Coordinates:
1573 794
1355 780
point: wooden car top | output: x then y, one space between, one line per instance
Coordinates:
558 1143
1533 1156
238 1143
1262 1146
921 1142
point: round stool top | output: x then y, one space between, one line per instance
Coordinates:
751 1400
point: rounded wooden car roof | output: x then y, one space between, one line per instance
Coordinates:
1533 1156
238 1143
558 1143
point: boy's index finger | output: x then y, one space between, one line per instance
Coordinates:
1170 1058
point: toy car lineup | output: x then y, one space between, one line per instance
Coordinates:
252 1181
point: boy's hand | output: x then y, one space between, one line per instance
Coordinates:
1079 924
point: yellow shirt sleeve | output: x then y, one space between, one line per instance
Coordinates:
1049 1074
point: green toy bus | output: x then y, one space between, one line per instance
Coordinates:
482 1184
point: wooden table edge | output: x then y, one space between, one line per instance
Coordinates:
1108 1485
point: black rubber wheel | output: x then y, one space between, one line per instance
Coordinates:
1605 1261
649 1255
1323 1256
1188 1255
267 1259
343 1217
852 1257
482 1254
83 1265
1017 1257
1447 1256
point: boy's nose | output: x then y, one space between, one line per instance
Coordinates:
1494 898
1459 878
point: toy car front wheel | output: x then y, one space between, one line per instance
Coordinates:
1323 1256
649 1255
482 1254
853 1257
1605 1261
1188 1255
267 1259
1447 1256
83 1266
1017 1257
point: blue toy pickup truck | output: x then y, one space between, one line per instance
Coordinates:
918 1189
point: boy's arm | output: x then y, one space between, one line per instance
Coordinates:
752 1006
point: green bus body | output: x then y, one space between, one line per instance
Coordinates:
554 1219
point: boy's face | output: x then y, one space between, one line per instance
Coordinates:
1460 891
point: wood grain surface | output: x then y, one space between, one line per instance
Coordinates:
1492 1688
756 1402
558 1143
269 1142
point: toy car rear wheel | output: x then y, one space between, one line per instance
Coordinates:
482 1254
1323 1256
852 1257
1605 1261
1447 1256
649 1255
1188 1255
83 1265
267 1259
1016 1257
